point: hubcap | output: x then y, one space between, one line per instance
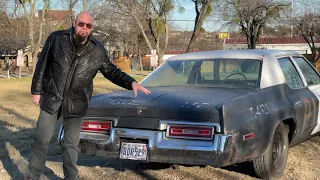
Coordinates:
278 149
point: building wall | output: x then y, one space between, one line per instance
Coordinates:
300 48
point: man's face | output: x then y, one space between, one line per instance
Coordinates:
83 26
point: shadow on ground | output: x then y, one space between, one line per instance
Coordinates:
142 169
15 150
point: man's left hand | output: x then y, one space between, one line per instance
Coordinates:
136 87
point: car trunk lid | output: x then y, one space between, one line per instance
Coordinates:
145 111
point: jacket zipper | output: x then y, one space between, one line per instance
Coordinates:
67 83
69 80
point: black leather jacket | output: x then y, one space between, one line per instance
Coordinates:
65 78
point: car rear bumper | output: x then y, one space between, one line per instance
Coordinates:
160 149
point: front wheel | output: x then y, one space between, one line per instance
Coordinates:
273 163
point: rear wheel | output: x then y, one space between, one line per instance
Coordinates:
273 163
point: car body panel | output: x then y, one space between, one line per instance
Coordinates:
315 103
260 113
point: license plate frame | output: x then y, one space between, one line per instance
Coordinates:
133 151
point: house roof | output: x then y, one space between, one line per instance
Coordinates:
271 40
56 15
178 51
237 54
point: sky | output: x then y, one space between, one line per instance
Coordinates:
189 15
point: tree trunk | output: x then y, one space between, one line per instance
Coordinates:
159 51
200 16
37 46
141 64
34 57
166 42
251 44
311 46
192 42
160 56
313 55
143 33
34 47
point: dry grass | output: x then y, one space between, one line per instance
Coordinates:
18 118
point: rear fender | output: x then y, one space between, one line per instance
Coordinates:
256 113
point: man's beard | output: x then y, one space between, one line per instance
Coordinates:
80 38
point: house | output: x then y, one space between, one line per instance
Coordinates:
296 43
55 17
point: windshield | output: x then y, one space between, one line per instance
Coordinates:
233 73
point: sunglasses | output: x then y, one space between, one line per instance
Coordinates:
81 24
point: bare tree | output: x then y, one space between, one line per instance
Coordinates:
119 32
3 4
12 34
112 27
306 20
29 12
203 9
151 17
251 16
308 27
91 5
8 25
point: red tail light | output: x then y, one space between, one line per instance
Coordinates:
190 132
96 126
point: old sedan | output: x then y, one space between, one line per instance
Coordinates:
210 108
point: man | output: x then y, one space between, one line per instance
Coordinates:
62 85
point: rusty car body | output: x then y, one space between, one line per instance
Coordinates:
210 108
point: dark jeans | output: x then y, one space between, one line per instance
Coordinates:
44 131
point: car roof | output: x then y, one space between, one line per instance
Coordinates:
237 54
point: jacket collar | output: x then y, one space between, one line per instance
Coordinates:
90 46
71 30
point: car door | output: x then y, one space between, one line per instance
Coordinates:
312 79
302 99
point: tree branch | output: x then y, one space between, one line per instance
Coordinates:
45 6
72 4
25 10
151 30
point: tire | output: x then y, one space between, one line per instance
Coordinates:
272 164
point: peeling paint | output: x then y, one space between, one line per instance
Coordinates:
259 110
197 105
131 102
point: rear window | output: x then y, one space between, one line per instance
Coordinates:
233 73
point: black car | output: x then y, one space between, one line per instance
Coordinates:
210 108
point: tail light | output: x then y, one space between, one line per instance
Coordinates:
96 126
190 132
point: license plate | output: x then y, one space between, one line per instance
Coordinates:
133 151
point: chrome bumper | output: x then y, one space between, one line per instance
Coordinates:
157 143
